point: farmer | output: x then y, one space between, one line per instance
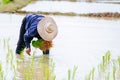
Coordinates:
36 26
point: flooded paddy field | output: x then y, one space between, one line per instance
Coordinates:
71 7
78 48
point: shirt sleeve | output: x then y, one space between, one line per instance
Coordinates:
27 40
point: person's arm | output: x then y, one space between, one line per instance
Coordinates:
27 40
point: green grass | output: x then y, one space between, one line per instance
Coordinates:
12 6
6 1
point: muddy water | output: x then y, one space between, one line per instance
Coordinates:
80 42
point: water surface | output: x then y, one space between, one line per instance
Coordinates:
68 7
81 42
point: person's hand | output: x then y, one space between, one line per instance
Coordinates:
28 50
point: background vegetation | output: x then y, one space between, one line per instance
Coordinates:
13 5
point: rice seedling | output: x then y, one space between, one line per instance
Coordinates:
107 76
118 60
102 67
114 70
52 64
69 74
47 74
26 69
52 70
9 64
4 41
15 72
108 57
72 73
114 73
49 70
93 73
9 55
105 62
44 67
27 74
108 69
1 72
88 77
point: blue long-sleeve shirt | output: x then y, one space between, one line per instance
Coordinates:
31 28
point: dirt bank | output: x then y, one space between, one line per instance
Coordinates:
15 5
105 15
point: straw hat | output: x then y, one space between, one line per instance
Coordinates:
47 28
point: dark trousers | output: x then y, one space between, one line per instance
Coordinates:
21 44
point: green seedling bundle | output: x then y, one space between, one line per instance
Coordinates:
42 44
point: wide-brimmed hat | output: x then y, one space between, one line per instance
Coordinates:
47 28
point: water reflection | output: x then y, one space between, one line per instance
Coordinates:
35 68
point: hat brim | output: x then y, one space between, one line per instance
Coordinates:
41 29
